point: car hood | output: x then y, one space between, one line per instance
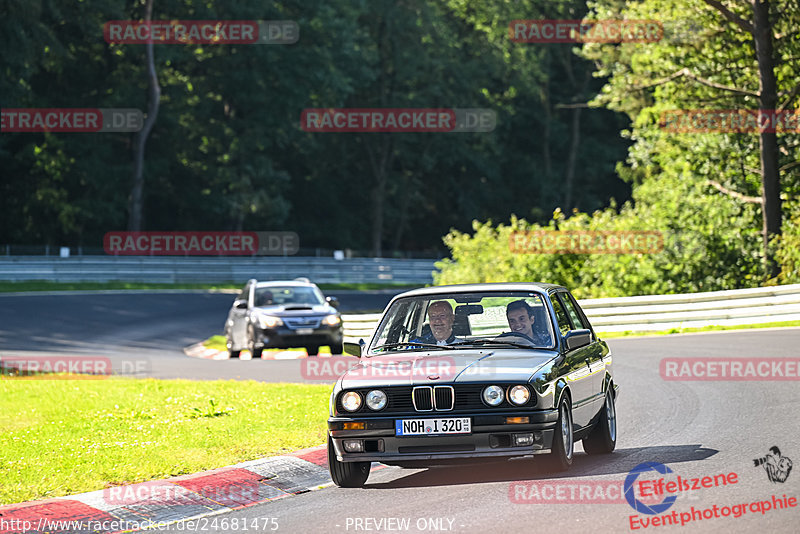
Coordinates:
447 367
286 310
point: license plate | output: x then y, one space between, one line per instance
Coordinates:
304 331
433 427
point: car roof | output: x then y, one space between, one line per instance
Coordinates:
273 283
471 288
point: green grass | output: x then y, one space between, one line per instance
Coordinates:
715 328
43 285
61 437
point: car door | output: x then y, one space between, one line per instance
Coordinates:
575 368
595 351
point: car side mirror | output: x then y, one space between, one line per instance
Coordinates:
358 350
240 304
333 301
577 338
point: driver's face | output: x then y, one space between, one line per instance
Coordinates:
441 317
519 321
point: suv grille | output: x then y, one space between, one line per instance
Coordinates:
302 322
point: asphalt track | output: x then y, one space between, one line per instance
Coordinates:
697 429
144 333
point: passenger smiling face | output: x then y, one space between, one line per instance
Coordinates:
441 315
519 318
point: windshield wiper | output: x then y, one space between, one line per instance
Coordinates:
415 344
493 342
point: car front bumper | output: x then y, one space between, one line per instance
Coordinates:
285 338
491 437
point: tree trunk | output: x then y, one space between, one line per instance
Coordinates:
135 206
768 141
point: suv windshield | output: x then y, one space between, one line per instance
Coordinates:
509 319
284 295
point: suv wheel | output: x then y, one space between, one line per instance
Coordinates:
251 344
229 345
313 350
337 349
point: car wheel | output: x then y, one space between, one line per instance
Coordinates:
312 350
229 345
603 438
337 349
346 474
560 458
251 344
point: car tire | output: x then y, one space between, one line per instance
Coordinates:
312 350
563 447
251 345
337 349
346 474
229 345
603 437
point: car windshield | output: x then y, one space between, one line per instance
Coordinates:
287 295
509 319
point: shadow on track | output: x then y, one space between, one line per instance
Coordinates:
619 462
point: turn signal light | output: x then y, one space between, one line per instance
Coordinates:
516 420
356 426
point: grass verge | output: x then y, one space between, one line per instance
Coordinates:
61 437
715 328
43 285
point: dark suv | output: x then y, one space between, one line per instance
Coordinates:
282 315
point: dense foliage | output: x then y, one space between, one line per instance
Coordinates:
227 152
703 190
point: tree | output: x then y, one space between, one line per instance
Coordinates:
740 57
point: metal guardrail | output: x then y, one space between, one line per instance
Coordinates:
660 312
215 270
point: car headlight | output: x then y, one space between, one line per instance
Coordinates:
351 401
269 321
331 320
493 395
376 399
519 395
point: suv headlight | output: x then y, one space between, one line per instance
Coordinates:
351 401
331 320
493 395
269 321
